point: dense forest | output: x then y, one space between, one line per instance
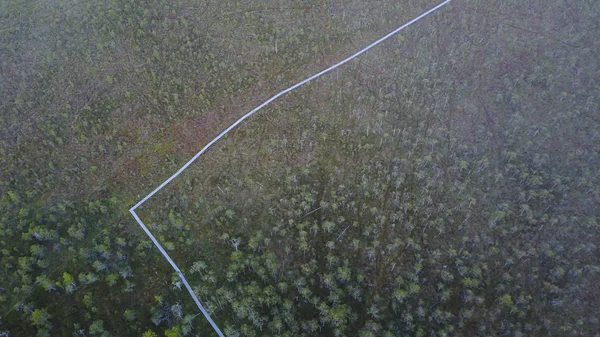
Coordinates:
445 183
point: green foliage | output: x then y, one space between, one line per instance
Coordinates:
174 332
129 314
506 301
149 333
97 327
40 317
67 279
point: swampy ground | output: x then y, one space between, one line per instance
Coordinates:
445 183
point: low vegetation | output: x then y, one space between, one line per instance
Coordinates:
446 183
